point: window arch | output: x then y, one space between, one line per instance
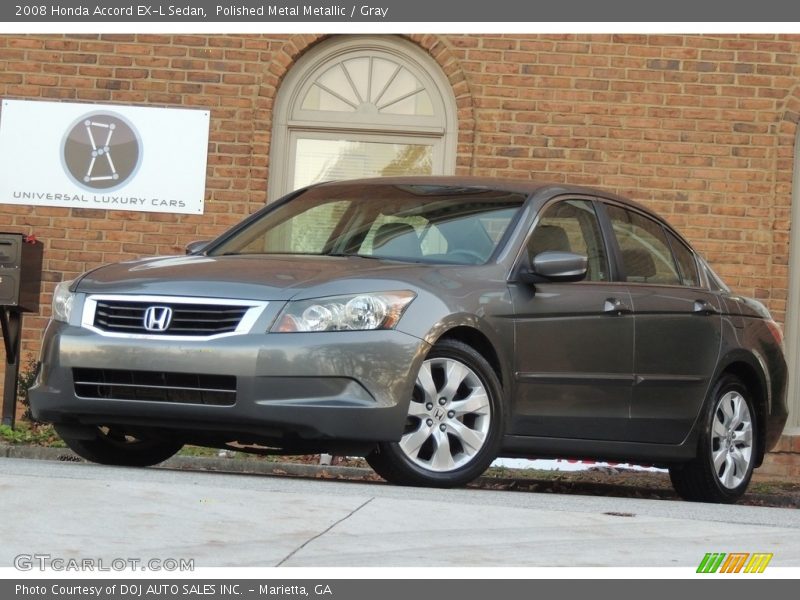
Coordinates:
357 106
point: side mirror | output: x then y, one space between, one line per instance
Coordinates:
559 266
197 247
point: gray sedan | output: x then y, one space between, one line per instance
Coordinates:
431 325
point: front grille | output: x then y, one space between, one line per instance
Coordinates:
155 386
123 316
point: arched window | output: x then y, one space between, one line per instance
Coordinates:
362 107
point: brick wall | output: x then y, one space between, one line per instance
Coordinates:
700 128
782 463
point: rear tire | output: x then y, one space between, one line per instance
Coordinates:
454 425
727 448
112 445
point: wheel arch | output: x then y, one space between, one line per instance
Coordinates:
474 350
751 372
472 333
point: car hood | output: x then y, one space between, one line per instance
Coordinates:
255 277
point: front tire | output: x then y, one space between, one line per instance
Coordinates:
454 425
113 445
727 448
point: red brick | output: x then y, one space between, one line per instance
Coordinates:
699 127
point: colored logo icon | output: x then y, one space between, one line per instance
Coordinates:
735 562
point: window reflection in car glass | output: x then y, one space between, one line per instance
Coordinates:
391 222
571 226
646 255
686 262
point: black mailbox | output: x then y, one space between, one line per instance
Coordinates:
20 272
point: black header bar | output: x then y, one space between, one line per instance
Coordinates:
396 11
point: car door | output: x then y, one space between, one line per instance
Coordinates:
677 327
573 356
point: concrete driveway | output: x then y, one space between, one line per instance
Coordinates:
81 510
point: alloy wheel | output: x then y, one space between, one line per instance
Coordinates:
449 416
732 439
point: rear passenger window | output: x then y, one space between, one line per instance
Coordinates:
646 253
687 266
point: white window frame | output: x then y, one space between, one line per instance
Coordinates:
792 323
291 123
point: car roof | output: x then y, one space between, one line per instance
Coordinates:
529 187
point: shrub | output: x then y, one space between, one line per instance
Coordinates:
27 376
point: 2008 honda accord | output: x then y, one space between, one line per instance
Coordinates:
431 325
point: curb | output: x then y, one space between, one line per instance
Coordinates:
204 463
252 466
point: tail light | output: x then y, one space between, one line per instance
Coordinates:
776 331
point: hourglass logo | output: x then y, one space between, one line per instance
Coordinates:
101 151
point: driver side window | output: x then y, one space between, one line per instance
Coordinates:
571 226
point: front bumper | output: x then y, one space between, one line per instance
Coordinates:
348 386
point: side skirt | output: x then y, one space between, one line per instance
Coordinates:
600 450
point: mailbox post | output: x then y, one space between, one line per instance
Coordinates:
11 321
20 285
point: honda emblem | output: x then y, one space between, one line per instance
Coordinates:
157 318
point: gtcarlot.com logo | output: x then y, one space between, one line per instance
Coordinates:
44 562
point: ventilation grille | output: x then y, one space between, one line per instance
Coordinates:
155 386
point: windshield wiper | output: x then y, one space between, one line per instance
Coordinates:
369 256
402 259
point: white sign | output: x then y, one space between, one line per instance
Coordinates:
103 156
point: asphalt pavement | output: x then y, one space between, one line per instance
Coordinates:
73 510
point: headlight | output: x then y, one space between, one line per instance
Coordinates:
359 312
62 301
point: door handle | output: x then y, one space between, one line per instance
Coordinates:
615 306
704 307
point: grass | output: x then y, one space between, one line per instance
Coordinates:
31 434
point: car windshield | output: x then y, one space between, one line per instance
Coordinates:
409 223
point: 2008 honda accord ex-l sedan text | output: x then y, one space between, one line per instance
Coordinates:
431 325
